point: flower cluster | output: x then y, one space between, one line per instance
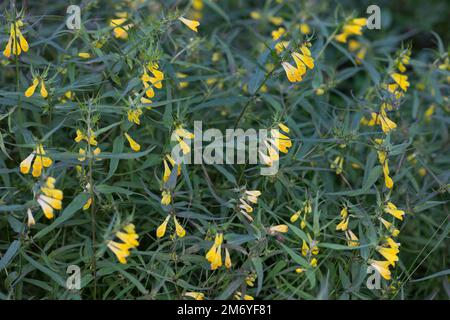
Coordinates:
40 161
16 42
49 197
305 210
214 255
179 230
129 240
302 60
246 200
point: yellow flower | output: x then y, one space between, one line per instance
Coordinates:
390 254
195 295
120 30
133 144
343 224
292 73
337 164
16 43
166 198
277 34
228 263
401 80
168 169
134 115
352 239
250 280
197 4
387 179
341 37
392 210
304 28
87 205
181 134
214 254
41 160
84 55
386 124
90 137
178 228
281 141
191 24
295 216
129 240
393 230
382 267
238 296
276 20
255 15
161 230
50 198
156 77
30 218
30 91
429 112
282 228
182 84
352 27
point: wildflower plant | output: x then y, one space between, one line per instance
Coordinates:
358 131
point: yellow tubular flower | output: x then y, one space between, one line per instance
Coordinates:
120 254
25 165
282 142
352 239
337 164
227 259
191 24
390 254
30 91
30 218
386 123
214 255
50 198
276 20
184 146
344 213
133 144
87 205
120 30
295 216
134 115
305 248
393 230
382 267
282 228
341 37
178 228
195 295
401 80
304 28
392 210
292 73
161 231
82 154
84 55
343 224
14 45
44 92
387 179
166 198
